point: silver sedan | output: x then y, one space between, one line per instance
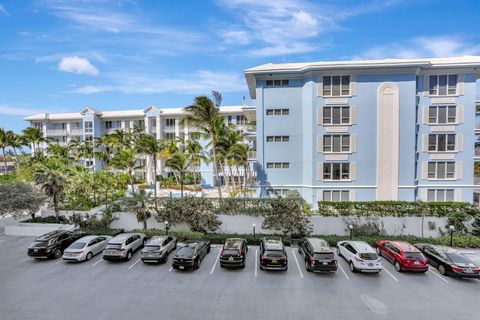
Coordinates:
85 248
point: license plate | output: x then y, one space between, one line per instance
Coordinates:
325 263
274 261
370 264
230 259
416 262
181 267
35 250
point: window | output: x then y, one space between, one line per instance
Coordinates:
441 142
108 125
441 170
88 126
336 115
278 165
278 138
335 86
170 122
169 136
241 120
38 125
440 195
336 143
336 195
278 112
442 114
276 192
442 85
230 119
277 83
89 162
336 171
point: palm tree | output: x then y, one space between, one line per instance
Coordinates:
227 137
82 149
194 151
239 154
126 159
14 141
150 146
59 151
141 204
3 145
33 136
52 176
180 162
205 116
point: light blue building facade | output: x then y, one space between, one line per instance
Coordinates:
367 130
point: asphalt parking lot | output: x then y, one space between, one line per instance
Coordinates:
54 289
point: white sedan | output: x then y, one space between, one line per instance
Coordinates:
360 256
85 248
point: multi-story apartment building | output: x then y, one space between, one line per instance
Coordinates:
390 129
163 123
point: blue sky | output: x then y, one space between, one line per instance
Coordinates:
61 56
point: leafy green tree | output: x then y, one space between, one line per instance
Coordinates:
180 163
141 203
33 136
287 216
204 114
52 177
3 145
194 151
18 198
126 159
15 142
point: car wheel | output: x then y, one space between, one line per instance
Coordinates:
165 258
129 255
243 265
397 266
299 250
379 252
144 241
352 267
57 253
442 270
197 264
307 267
89 256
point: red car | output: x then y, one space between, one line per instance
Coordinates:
403 255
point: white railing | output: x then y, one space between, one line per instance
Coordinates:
56 132
252 155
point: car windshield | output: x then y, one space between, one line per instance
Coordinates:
414 255
185 252
326 255
38 244
230 251
274 254
151 248
457 258
77 245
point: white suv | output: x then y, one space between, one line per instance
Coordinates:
360 256
123 246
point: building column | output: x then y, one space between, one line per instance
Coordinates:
177 127
122 125
185 129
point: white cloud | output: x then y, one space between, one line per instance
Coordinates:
16 111
3 10
77 65
422 47
201 81
236 37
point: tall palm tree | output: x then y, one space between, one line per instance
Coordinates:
33 136
205 116
141 204
59 151
126 159
227 138
3 145
194 151
239 154
14 141
82 149
179 162
52 177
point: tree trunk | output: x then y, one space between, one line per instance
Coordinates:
245 178
155 180
4 161
181 184
215 168
130 173
16 155
55 206
145 223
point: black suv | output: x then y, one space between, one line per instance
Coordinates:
52 244
190 255
234 253
272 254
318 255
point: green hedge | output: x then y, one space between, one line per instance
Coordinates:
104 232
181 235
49 219
397 209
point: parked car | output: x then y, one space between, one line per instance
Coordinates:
158 248
360 256
123 246
318 255
52 244
403 255
86 248
273 255
190 255
449 261
234 253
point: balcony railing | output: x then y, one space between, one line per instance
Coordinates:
76 131
56 132
252 155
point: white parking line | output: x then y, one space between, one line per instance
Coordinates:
93 265
133 265
216 261
344 273
391 275
256 261
438 275
171 268
59 261
24 259
298 265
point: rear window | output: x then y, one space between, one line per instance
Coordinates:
185 252
414 255
151 248
274 254
457 258
114 246
38 244
369 256
326 255
77 245
230 251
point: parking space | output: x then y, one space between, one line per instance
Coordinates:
98 289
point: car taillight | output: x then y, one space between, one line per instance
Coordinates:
241 254
263 258
311 260
221 253
476 270
458 269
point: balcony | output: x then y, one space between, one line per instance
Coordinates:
56 132
252 155
76 132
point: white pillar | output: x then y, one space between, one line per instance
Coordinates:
177 127
159 123
122 124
